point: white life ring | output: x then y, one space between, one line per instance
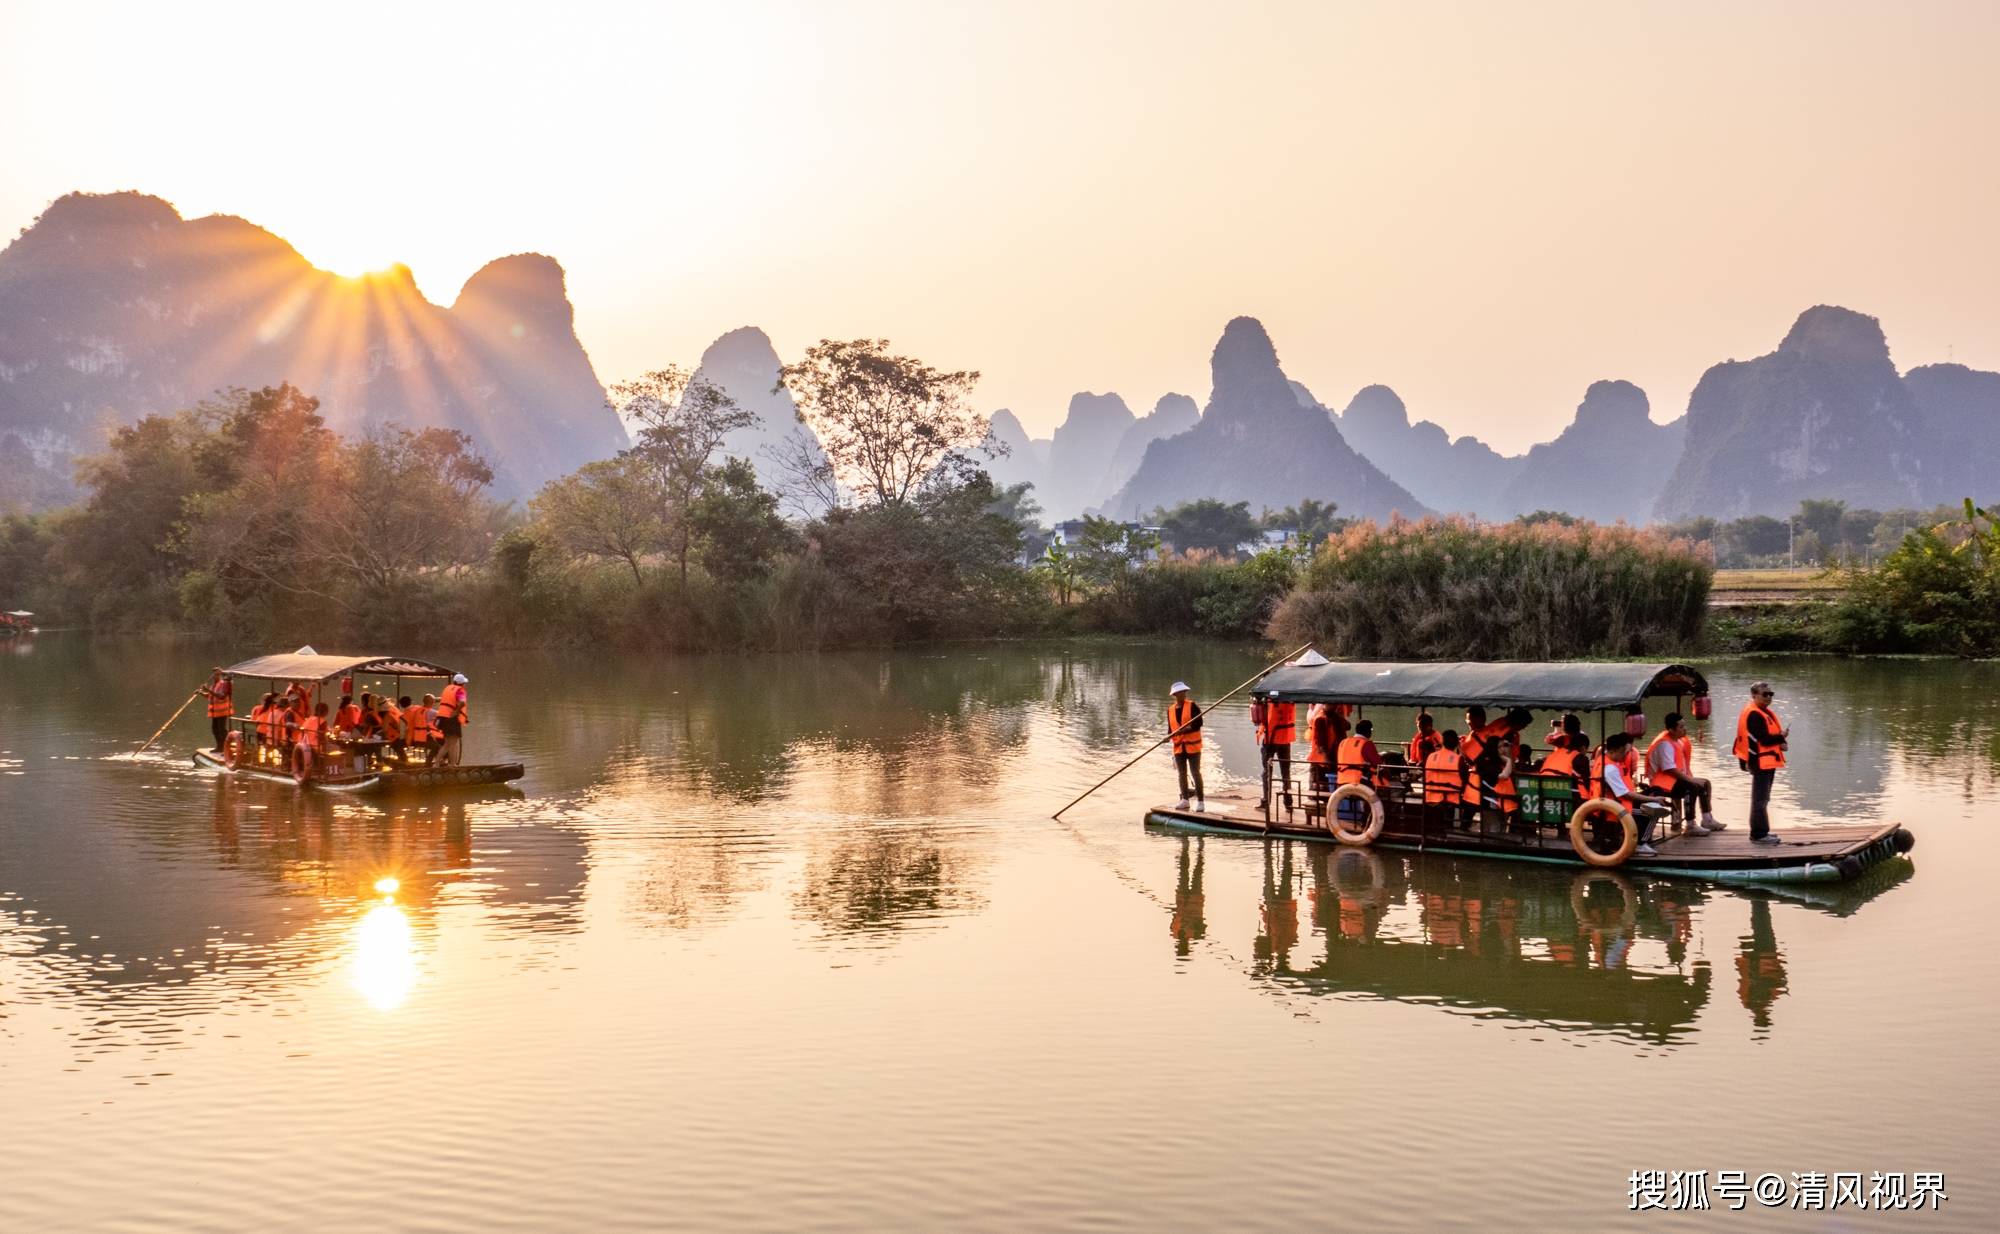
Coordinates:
1376 818
1580 829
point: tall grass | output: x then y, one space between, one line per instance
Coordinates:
1451 589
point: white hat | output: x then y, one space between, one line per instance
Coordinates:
458 679
1179 687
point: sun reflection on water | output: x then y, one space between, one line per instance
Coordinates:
385 956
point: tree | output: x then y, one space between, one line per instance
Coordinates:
737 523
1107 552
1821 519
682 421
889 424
1208 524
608 510
1058 568
1312 518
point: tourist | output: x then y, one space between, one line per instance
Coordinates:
1184 724
312 739
1323 743
453 714
1670 770
1761 741
1424 741
221 696
1444 775
1358 758
1276 722
1610 781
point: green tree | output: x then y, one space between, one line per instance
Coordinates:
608 510
737 524
1821 519
1313 519
1108 552
682 422
1057 567
889 424
1208 524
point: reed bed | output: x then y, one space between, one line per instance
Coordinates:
1453 589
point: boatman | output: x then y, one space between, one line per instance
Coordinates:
1184 724
1761 741
1277 723
221 696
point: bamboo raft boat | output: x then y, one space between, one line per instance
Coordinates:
345 767
1551 826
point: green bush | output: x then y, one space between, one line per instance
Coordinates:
1938 592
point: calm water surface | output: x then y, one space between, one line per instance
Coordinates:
790 943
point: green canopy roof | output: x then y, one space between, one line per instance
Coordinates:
1573 687
311 666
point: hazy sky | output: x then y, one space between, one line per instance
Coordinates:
1485 206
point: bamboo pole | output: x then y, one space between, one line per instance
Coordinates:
1172 733
169 724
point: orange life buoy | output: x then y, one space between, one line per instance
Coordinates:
232 749
1376 818
1580 827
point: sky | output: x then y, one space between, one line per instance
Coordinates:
1484 206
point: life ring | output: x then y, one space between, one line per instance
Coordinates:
1628 900
1355 792
232 749
1580 829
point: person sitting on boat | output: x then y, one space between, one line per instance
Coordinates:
1609 781
1444 775
421 734
390 723
1568 759
347 718
1424 741
1670 770
312 740
264 725
221 696
1357 756
1184 724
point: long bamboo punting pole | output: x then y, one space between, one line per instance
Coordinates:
169 724
1172 733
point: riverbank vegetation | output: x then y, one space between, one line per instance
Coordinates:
248 520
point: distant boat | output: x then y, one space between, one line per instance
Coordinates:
348 764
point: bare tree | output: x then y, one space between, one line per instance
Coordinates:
889 424
682 420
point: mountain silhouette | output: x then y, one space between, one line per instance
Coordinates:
744 365
1825 415
113 306
1465 476
1607 465
1257 442
1081 452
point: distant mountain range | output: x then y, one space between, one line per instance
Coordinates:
113 306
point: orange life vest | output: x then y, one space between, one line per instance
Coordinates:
391 722
1441 775
1598 788
1354 765
266 720
347 718
419 718
1178 713
1768 759
1683 749
1321 734
1421 746
310 730
221 699
1281 723
1564 762
454 704
1503 788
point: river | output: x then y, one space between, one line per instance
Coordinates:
791 943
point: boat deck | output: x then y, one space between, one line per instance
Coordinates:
1809 854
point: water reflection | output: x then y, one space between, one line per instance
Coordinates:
385 956
1590 951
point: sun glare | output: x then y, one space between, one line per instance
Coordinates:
385 957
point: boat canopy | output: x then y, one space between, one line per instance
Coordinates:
304 666
1573 687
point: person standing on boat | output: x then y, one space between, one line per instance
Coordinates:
1184 724
1444 775
1761 740
221 696
1322 738
453 714
1277 723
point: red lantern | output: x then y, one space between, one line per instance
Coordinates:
1703 705
1635 724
